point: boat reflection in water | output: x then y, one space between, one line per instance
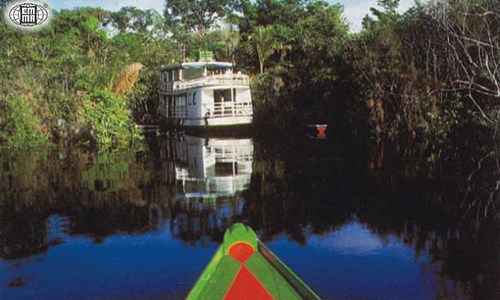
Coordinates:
211 167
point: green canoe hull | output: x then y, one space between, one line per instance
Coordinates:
243 268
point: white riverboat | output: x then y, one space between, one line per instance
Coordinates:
204 94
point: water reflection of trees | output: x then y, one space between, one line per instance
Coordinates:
446 210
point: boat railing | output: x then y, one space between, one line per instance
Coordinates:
229 109
233 154
233 79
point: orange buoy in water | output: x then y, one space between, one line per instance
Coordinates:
321 129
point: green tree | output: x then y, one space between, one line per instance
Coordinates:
132 19
320 37
265 44
194 16
389 6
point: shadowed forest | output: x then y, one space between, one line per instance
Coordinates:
420 77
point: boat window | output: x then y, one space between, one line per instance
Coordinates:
193 73
226 168
223 95
194 98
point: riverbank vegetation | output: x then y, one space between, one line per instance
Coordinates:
84 78
422 75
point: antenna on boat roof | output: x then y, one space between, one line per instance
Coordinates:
183 50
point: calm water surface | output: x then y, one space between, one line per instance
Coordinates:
143 223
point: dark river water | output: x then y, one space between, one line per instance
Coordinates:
144 223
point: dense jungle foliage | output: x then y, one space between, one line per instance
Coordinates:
422 75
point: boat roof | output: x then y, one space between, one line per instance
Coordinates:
189 65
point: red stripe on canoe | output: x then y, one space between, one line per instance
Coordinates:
245 287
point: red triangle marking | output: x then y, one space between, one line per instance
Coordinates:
246 287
